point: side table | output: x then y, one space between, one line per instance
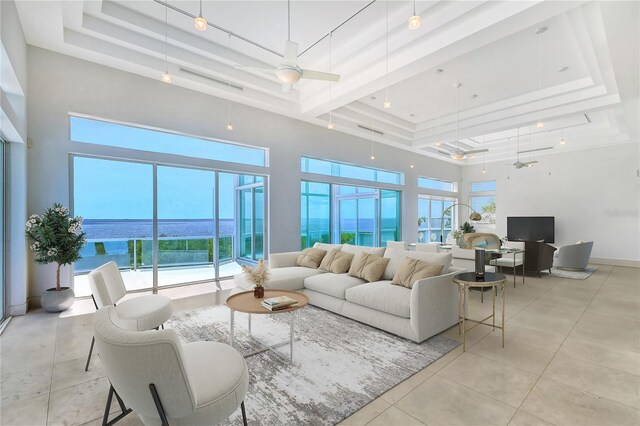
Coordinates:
467 280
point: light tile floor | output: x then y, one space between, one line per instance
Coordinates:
571 357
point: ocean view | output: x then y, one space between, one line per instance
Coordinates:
106 229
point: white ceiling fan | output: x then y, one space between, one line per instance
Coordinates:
289 72
519 164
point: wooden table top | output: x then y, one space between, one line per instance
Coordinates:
246 302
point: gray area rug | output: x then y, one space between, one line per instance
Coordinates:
574 275
339 365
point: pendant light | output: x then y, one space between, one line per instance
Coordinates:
165 76
387 101
562 141
438 72
200 23
415 20
330 126
458 154
539 32
484 171
229 125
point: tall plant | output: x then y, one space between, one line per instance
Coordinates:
56 237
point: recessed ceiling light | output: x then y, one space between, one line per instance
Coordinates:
412 166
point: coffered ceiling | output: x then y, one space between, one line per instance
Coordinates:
584 88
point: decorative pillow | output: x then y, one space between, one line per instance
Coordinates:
311 258
326 246
396 257
337 261
481 244
368 266
412 270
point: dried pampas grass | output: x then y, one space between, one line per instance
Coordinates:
259 275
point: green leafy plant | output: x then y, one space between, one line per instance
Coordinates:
421 220
55 237
467 228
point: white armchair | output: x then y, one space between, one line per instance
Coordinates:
510 261
137 314
400 245
574 257
165 381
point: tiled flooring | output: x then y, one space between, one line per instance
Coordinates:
571 357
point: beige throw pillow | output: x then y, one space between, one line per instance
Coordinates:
412 270
311 258
337 261
368 266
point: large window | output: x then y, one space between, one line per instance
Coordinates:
482 198
440 185
333 168
430 224
348 214
100 132
206 222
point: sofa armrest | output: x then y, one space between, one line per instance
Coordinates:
282 260
434 304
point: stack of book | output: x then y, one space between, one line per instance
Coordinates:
279 303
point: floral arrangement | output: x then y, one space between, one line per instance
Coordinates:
55 237
259 275
457 234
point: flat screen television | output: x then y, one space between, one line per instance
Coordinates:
533 228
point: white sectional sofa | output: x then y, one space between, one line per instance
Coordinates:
428 308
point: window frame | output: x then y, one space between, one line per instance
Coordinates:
479 194
454 212
454 185
335 165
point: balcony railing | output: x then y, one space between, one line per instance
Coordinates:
137 253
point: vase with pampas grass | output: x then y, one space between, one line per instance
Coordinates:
259 276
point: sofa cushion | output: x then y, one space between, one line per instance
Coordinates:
382 296
337 261
412 270
287 278
311 257
378 251
368 266
332 284
396 257
327 247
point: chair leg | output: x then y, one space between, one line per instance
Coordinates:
162 325
156 400
93 341
125 410
244 414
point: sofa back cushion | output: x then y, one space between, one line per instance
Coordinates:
368 266
378 251
311 258
337 261
327 247
412 270
396 257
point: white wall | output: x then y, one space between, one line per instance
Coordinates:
13 84
59 84
593 194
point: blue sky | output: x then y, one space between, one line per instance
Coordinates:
105 189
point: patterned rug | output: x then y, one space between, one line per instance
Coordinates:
574 275
339 365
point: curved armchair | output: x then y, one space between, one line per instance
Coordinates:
165 381
574 257
137 314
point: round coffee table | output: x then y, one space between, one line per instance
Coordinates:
247 303
467 280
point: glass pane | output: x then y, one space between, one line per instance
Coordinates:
489 185
367 213
125 136
348 226
486 206
334 168
315 213
227 225
2 224
440 185
246 219
116 200
186 225
259 223
390 216
423 220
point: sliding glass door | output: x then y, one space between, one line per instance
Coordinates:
199 216
315 213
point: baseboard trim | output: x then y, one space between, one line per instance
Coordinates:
20 309
615 262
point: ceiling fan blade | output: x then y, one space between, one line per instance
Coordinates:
291 52
318 75
529 162
444 152
475 151
534 150
260 69
286 88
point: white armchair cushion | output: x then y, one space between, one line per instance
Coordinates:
144 312
382 296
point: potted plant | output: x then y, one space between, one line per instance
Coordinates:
421 220
56 237
258 276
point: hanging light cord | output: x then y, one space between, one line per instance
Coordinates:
457 115
165 38
414 7
387 48
229 81
330 71
289 20
539 72
438 105
200 7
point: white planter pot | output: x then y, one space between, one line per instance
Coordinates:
57 301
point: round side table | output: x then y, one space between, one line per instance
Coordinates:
467 280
